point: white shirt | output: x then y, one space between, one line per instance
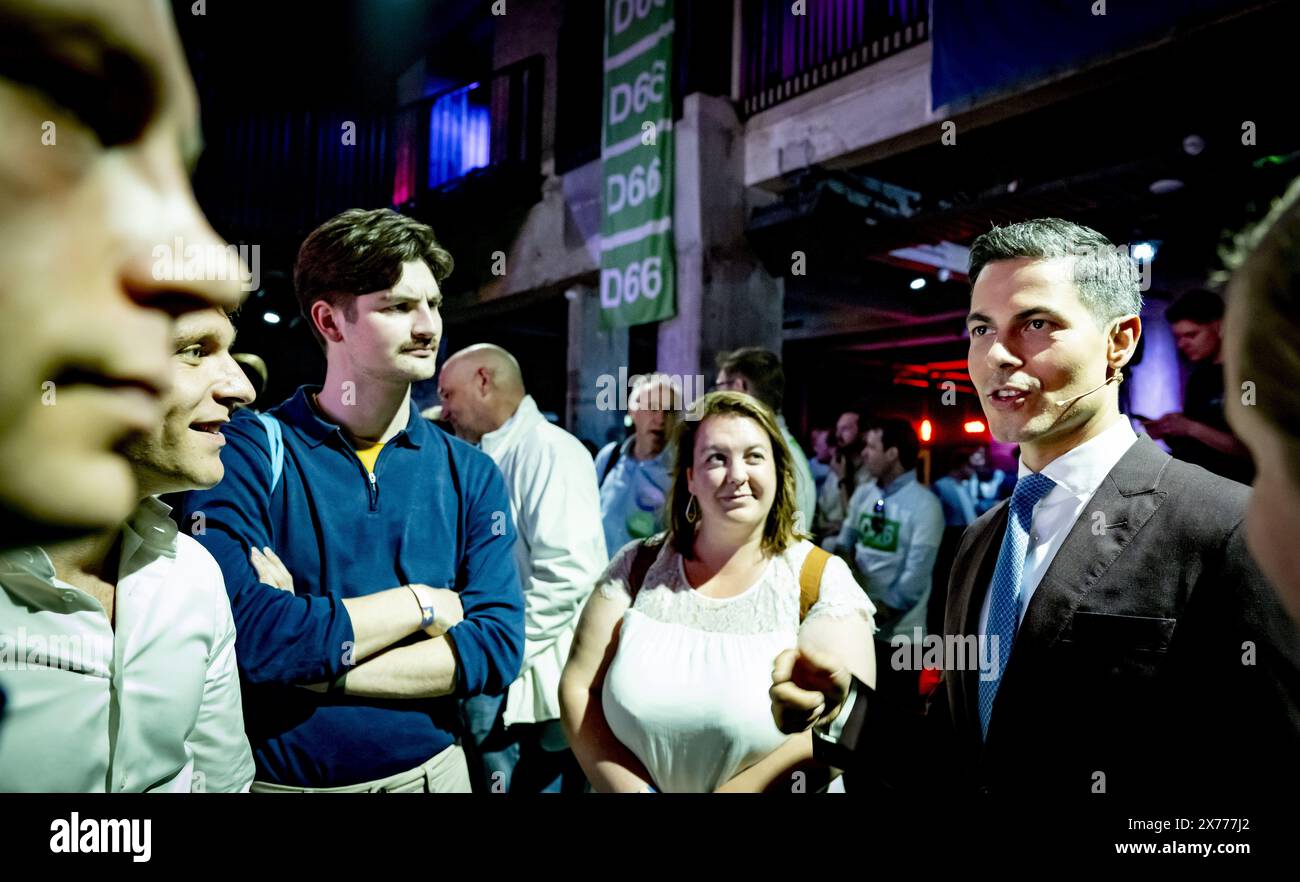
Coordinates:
900 565
152 704
559 548
1077 474
687 690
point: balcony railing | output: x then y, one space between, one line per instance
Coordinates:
493 122
784 55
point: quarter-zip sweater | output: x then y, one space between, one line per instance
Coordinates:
434 510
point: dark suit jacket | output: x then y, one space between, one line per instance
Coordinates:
1152 652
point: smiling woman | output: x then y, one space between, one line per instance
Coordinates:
667 682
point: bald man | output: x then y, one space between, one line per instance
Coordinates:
518 743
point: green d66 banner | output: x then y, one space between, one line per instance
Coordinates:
637 270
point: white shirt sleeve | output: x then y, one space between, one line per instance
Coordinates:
559 518
223 761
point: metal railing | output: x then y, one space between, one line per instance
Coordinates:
784 54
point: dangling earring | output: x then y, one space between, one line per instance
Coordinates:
692 513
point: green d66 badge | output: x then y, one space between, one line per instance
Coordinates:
877 532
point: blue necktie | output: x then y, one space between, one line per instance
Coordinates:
1004 600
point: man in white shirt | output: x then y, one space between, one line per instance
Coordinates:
893 529
559 550
93 192
118 650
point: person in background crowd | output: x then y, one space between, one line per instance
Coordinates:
986 484
666 687
341 493
1200 434
1262 346
633 473
85 321
135 686
953 489
254 368
833 498
1132 646
823 451
893 529
758 372
519 744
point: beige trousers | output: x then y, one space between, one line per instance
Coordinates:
446 772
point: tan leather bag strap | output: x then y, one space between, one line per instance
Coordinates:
810 574
810 579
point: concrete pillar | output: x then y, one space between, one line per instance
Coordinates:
593 353
725 299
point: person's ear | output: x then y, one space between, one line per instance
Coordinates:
483 379
1122 342
325 318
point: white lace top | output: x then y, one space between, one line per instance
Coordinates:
687 691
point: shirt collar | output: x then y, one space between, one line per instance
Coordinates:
903 480
148 529
1080 471
299 412
523 417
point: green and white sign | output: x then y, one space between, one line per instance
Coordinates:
637 269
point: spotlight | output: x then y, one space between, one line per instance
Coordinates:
271 318
1144 250
918 283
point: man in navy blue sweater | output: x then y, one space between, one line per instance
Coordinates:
367 554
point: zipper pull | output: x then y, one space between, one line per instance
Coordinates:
374 491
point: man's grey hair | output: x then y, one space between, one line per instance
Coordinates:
1106 276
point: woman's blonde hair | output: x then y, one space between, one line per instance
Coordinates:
781 529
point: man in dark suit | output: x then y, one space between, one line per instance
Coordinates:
1106 630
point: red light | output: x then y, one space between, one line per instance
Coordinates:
927 430
974 427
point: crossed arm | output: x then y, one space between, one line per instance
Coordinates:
426 669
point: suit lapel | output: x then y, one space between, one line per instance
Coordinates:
1125 501
965 599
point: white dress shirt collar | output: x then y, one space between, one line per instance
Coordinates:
1079 472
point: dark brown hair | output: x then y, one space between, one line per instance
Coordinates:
762 368
359 252
781 530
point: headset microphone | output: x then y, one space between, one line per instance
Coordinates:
1117 377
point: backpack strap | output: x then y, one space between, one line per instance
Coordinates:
643 557
276 439
810 579
613 459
